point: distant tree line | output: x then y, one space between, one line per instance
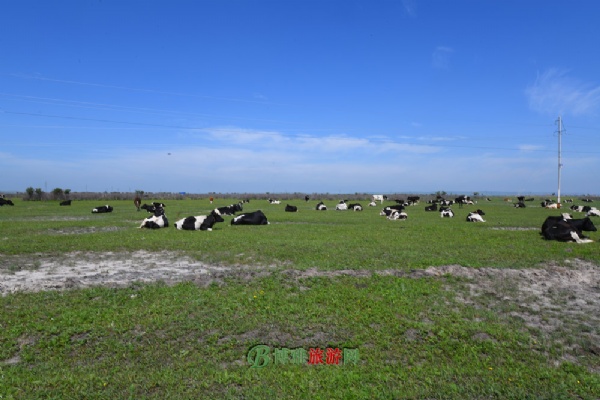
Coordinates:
59 194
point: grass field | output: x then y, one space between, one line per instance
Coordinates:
428 307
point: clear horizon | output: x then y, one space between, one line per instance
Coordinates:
300 96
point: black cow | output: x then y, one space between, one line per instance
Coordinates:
289 208
253 218
65 203
102 209
567 230
4 202
200 222
413 199
432 207
306 198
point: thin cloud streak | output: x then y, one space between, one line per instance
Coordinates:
554 92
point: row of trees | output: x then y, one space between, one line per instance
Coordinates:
39 194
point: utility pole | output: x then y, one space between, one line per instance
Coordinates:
559 122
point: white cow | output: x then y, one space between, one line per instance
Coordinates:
341 206
379 197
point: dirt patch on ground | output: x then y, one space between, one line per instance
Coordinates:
559 303
81 270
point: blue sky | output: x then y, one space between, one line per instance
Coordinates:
326 96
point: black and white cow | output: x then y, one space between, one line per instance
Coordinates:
446 212
253 218
306 198
587 200
395 215
547 202
151 208
289 208
199 222
432 207
65 203
5 202
102 209
520 204
372 204
462 199
321 206
567 229
413 200
475 216
577 208
230 209
389 209
594 212
551 220
158 220
273 201
355 207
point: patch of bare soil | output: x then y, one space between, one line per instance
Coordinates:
560 304
81 270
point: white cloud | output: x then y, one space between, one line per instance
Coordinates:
410 7
441 57
555 93
529 147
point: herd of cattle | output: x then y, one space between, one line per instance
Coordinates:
562 228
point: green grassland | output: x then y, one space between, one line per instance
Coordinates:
415 337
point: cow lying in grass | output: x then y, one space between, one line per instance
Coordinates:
253 218
341 206
65 203
102 209
199 222
395 214
289 208
158 220
475 216
355 207
321 206
230 209
6 202
446 212
151 208
566 229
